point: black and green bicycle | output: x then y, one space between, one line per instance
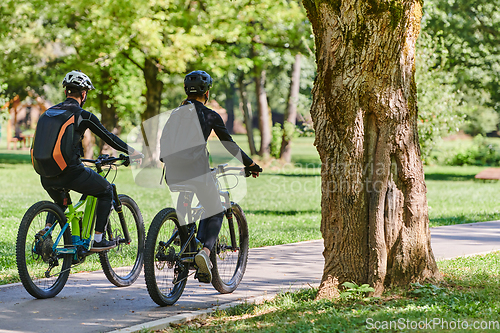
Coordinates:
44 260
171 247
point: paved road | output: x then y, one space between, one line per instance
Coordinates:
465 239
89 303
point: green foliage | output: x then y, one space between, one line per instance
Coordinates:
353 291
427 290
277 136
482 153
439 106
111 41
306 130
470 50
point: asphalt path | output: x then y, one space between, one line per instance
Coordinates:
89 303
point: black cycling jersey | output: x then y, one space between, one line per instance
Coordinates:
88 120
211 120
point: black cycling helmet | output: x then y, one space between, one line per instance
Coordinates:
197 83
77 80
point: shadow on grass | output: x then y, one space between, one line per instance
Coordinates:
449 176
300 175
286 212
462 219
14 158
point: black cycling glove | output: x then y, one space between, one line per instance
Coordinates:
252 170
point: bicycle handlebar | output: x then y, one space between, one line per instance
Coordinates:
222 168
104 160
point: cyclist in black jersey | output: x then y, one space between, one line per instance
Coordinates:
197 85
76 176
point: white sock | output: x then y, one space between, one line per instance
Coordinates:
97 238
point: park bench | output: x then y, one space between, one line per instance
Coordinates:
489 174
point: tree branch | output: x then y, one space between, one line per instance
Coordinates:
126 55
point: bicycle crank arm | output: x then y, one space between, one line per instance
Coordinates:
177 282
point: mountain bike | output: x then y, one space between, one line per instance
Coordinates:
171 247
44 260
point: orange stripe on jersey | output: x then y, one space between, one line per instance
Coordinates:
57 154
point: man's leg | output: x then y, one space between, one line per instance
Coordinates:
58 197
209 227
91 183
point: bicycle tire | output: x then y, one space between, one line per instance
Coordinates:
32 256
115 262
229 265
160 275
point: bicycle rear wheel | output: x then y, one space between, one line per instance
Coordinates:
123 264
165 274
42 272
230 259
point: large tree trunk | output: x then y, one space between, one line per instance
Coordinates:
246 107
154 88
375 222
264 115
291 112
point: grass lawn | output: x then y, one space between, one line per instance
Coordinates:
467 299
282 205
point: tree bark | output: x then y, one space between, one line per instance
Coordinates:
246 107
375 221
264 115
290 118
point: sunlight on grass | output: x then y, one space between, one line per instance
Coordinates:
465 296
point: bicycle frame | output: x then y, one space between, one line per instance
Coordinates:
193 214
82 223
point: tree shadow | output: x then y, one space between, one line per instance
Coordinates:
300 175
449 176
462 219
6 158
279 213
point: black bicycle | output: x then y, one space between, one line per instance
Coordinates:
171 248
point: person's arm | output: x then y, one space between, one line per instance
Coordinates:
226 139
91 122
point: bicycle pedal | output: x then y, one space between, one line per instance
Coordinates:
203 278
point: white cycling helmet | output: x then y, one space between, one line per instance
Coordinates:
77 79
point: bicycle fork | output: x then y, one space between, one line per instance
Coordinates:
230 222
118 208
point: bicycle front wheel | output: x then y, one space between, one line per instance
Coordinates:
42 272
230 253
123 264
165 274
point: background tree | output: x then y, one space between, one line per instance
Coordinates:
375 222
469 33
290 117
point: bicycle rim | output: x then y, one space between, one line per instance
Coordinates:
229 260
123 264
165 275
34 256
